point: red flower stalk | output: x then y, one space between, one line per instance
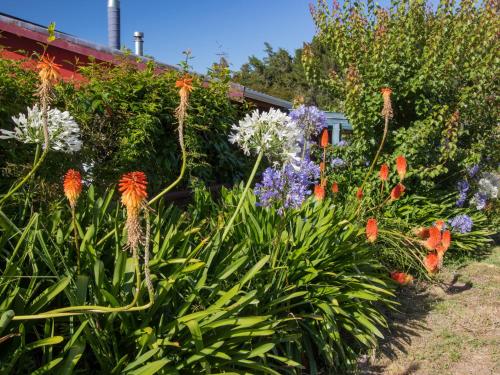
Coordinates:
401 166
371 230
445 243
439 224
359 193
401 278
387 109
384 172
319 192
72 186
432 263
335 188
324 138
133 188
434 238
397 191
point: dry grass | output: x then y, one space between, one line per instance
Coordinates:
452 329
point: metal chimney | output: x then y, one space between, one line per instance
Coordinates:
114 24
139 42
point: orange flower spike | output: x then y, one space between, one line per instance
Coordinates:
72 186
359 193
335 188
445 243
319 192
434 238
133 188
397 191
387 109
48 70
422 233
384 172
439 224
324 138
371 230
401 278
401 166
185 84
432 262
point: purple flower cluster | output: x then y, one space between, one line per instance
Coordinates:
343 143
287 187
473 170
461 224
309 118
337 163
480 199
463 188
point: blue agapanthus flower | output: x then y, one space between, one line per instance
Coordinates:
461 224
287 187
473 170
337 162
480 200
310 119
463 187
343 143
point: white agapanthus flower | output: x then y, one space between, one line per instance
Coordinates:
64 132
489 185
272 132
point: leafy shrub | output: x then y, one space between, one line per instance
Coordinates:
441 65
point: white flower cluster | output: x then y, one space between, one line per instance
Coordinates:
272 132
64 132
489 185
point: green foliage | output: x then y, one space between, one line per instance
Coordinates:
441 65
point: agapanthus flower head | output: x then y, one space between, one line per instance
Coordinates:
64 132
432 262
72 186
371 230
337 162
342 143
461 224
401 278
310 119
480 200
319 192
359 193
335 188
287 187
488 185
48 70
401 166
272 132
387 109
384 172
473 170
397 191
324 138
133 186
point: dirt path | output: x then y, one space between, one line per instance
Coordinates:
447 331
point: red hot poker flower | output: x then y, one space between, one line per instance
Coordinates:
133 188
445 243
431 263
384 172
397 191
324 138
434 238
319 192
371 230
72 186
387 109
359 193
401 278
335 188
439 224
48 70
422 233
401 166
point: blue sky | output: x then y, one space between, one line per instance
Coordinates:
238 28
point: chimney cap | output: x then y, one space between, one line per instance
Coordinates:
113 3
138 34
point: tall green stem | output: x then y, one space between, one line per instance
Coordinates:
243 196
